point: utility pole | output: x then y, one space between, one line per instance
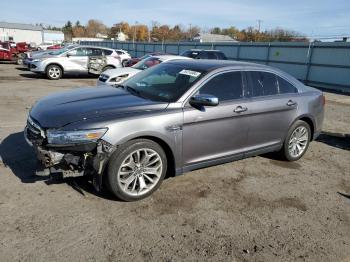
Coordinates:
190 32
134 36
259 22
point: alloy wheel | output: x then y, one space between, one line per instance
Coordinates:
140 171
298 141
54 72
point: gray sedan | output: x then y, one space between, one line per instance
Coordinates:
173 118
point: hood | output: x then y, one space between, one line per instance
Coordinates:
60 109
121 71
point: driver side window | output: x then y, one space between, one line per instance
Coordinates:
226 86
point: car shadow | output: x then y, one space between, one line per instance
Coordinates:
18 156
337 140
22 68
42 76
32 76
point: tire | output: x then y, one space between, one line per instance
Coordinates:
293 148
54 72
19 61
127 177
107 68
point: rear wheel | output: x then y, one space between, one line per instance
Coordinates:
297 141
54 72
136 170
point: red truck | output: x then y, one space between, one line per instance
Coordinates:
10 51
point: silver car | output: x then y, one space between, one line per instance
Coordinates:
173 118
72 61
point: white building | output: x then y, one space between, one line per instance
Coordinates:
21 33
121 37
51 36
28 33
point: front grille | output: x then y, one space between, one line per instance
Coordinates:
103 78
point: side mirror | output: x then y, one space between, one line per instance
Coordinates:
204 100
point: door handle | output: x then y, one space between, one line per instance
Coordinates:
291 103
240 109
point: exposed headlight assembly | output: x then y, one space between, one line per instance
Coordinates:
57 137
118 78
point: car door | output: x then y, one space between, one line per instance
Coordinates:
77 60
271 110
214 133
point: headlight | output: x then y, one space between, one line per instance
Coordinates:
74 137
36 60
118 78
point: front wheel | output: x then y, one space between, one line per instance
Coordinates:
136 169
124 63
54 72
297 141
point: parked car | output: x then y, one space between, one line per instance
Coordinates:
54 47
29 56
173 118
124 56
119 75
44 46
135 60
72 61
204 54
11 51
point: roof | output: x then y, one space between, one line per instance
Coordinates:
213 38
211 64
206 50
21 26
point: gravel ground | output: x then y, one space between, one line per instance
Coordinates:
257 209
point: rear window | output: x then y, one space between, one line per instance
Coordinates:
285 87
221 56
107 52
211 55
267 84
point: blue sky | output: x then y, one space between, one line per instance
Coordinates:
311 17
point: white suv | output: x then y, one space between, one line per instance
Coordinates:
72 61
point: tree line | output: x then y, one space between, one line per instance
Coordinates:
161 32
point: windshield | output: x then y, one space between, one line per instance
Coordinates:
166 82
146 63
61 51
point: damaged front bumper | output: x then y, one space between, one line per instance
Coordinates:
71 160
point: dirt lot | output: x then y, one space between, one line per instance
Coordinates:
257 209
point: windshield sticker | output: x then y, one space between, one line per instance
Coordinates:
190 73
